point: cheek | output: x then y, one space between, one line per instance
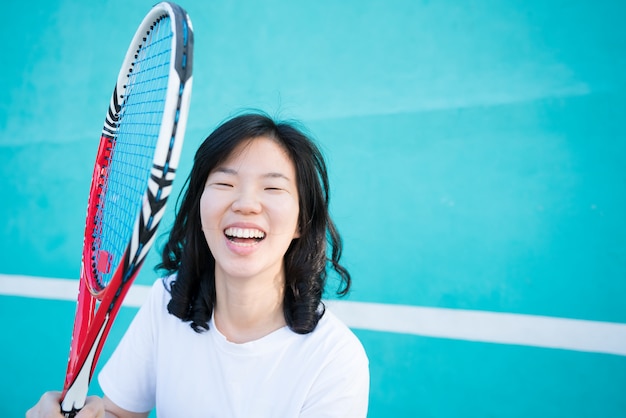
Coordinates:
296 220
207 212
290 216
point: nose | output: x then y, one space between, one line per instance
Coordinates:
247 202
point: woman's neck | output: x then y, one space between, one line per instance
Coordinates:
248 308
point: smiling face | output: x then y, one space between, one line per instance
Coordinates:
249 210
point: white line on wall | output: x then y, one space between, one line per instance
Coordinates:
458 324
484 326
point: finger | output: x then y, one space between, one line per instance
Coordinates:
47 407
94 408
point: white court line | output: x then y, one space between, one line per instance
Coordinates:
458 324
489 327
59 289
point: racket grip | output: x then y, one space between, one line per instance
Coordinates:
70 414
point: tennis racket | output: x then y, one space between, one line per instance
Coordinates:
135 166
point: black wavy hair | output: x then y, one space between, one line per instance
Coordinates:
319 246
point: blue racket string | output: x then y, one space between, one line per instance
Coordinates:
133 150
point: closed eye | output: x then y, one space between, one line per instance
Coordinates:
223 185
276 189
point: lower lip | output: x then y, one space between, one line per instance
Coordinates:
242 248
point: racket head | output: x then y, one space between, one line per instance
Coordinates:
135 166
140 146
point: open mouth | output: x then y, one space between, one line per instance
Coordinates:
244 235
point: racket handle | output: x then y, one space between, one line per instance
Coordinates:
70 414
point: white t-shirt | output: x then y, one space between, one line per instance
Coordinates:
161 362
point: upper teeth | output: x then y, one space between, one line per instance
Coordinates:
244 233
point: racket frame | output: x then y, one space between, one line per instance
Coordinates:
91 327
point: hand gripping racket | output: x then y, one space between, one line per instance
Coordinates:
135 166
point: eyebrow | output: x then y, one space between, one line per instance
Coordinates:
232 171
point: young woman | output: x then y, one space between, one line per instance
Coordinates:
237 328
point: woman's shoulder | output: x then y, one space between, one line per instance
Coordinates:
161 288
336 349
167 282
330 323
156 296
333 333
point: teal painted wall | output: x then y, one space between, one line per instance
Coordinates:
478 160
